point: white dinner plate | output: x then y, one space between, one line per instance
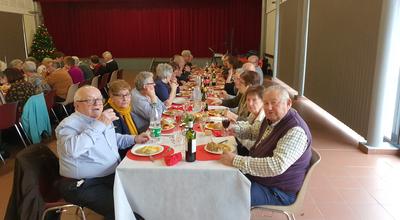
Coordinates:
136 150
220 151
179 100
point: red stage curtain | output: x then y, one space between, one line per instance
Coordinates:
153 28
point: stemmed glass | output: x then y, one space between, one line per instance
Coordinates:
225 123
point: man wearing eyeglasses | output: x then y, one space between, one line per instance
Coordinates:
144 97
279 159
87 146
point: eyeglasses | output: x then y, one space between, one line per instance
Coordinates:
122 96
150 84
92 101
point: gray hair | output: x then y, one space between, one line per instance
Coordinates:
163 70
78 94
107 54
29 66
185 53
248 67
15 63
76 59
142 78
282 92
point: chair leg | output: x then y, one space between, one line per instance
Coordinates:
65 110
290 216
2 159
20 135
26 135
55 116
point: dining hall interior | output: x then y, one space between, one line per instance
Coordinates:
338 61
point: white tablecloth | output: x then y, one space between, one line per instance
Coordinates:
198 190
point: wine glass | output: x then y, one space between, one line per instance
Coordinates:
225 123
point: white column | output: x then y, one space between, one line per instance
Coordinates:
263 28
382 62
303 46
276 46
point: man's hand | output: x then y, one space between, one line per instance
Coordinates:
227 158
108 116
142 138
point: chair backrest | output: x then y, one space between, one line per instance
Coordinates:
2 98
84 83
71 92
8 114
298 204
120 74
49 98
95 81
114 76
104 80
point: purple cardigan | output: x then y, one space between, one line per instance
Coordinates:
292 179
76 74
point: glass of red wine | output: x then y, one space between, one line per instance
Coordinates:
225 123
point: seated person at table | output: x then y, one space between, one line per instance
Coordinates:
165 87
87 147
120 101
253 59
280 157
144 97
96 66
20 90
233 65
60 80
37 80
188 57
110 63
254 101
75 73
185 73
242 82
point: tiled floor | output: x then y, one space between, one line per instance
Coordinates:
347 184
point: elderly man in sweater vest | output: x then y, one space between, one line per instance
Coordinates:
280 157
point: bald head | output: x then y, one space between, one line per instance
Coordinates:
107 56
249 67
89 101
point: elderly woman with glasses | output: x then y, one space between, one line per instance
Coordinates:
120 101
166 85
144 97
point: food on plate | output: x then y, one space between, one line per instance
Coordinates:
217 148
167 123
214 126
216 112
148 150
170 112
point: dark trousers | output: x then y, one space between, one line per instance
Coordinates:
96 194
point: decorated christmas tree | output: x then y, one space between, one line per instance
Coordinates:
42 45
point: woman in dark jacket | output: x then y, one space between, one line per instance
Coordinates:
120 100
20 90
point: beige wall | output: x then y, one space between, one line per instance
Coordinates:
342 47
24 8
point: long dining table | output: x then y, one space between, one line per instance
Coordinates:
197 190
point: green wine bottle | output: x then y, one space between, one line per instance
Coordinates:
190 155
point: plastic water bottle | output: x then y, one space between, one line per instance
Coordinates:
197 99
155 124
